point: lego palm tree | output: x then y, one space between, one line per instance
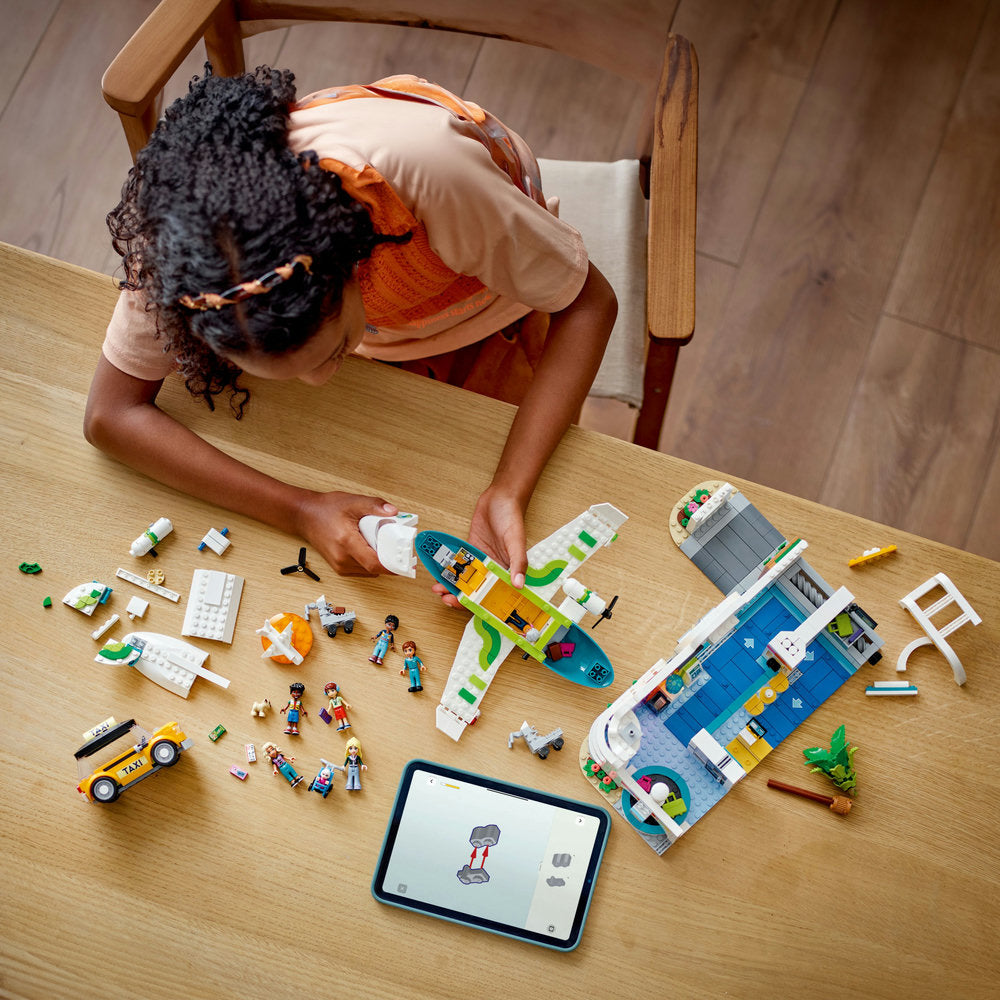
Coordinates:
837 763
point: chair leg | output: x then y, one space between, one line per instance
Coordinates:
661 361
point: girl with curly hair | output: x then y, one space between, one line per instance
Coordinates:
271 236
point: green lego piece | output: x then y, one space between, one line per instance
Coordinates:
837 763
842 625
216 733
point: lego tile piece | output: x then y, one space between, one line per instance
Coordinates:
700 710
212 605
683 725
883 688
761 749
137 607
741 755
713 696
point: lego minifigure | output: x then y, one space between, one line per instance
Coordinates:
282 765
338 706
384 640
354 764
294 708
414 664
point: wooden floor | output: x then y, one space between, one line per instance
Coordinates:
848 343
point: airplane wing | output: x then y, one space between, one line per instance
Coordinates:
479 656
555 558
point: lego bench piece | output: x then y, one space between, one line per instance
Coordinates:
890 688
936 635
215 540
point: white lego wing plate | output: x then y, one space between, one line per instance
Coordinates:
477 660
171 663
557 557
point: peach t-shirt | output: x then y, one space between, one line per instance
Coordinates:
476 220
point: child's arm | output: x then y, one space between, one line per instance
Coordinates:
122 419
573 351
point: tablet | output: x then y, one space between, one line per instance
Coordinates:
501 857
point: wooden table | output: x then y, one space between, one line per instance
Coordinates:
195 884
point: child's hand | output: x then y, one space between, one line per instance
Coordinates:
329 522
498 529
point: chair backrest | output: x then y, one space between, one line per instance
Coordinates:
627 37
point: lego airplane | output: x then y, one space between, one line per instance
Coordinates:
505 617
280 643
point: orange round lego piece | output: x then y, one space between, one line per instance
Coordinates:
302 637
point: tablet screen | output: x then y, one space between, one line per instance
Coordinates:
502 857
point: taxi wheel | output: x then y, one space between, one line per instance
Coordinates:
105 790
165 753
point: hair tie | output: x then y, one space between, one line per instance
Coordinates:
263 284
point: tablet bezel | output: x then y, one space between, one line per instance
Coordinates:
470 920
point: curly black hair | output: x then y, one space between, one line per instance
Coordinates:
217 198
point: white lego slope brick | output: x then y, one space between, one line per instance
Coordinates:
212 605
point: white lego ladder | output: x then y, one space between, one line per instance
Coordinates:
935 635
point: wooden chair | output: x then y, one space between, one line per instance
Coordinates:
627 37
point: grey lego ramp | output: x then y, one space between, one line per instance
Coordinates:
731 549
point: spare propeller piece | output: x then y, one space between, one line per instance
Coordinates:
301 567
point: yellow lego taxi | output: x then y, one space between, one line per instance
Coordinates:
148 753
